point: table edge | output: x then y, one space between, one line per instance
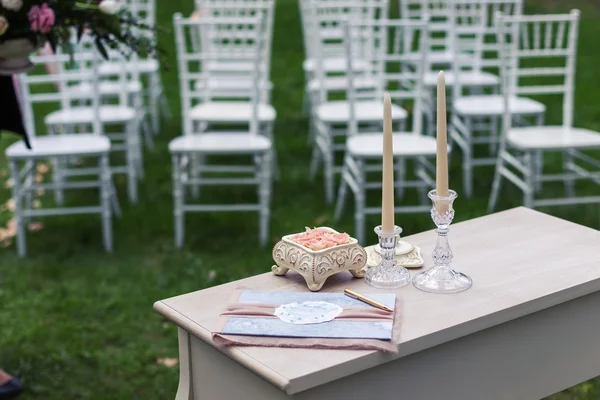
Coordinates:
234 352
372 358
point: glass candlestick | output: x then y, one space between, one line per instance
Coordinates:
441 278
387 274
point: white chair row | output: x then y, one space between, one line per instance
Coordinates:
542 37
229 44
402 73
538 58
81 138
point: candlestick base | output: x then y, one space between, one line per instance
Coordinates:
387 274
441 278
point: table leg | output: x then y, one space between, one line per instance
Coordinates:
185 389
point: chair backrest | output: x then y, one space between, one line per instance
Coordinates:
440 24
399 66
538 57
228 9
491 58
468 18
48 89
242 37
125 67
327 21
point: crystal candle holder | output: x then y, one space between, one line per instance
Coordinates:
387 274
441 278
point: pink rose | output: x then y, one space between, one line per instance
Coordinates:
41 19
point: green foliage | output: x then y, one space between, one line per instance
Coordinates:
119 30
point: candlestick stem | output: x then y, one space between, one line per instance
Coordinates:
387 274
441 278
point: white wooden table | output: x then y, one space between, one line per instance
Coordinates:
529 326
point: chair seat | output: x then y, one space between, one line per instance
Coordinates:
228 84
83 115
366 111
467 78
231 66
146 66
221 143
340 83
337 64
59 145
84 90
405 144
438 57
552 137
490 105
230 111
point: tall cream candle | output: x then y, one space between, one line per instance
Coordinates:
441 179
387 188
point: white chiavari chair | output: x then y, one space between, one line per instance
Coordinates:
234 9
403 74
324 64
331 116
474 116
119 118
148 68
202 111
228 77
539 57
39 91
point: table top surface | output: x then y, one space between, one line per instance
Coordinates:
521 261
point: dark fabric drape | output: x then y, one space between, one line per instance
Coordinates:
11 118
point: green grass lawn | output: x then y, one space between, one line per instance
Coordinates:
76 323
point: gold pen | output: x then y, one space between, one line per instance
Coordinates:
367 300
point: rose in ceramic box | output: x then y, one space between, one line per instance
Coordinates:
318 253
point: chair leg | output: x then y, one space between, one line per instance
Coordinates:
539 161
329 177
132 163
105 202
538 170
400 176
269 131
16 190
422 170
153 97
178 213
195 166
493 145
496 183
569 184
57 179
468 159
29 185
139 151
359 208
265 198
530 171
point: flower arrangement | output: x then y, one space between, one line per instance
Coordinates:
107 22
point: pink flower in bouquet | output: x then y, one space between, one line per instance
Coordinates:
3 25
41 19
